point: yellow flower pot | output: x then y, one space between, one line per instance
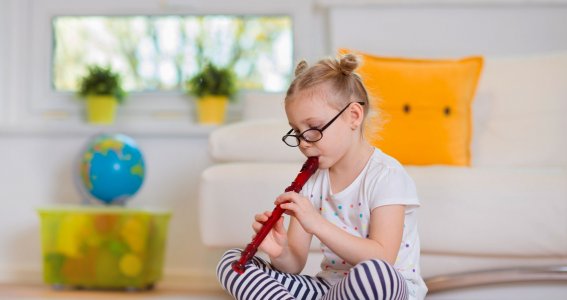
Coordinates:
101 109
211 109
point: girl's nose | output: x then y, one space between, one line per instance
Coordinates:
304 144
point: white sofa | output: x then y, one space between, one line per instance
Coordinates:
507 213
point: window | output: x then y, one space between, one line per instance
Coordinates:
43 69
158 53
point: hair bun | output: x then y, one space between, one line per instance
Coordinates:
301 66
348 63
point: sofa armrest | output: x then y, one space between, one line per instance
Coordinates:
230 194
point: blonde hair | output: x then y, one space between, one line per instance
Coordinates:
336 74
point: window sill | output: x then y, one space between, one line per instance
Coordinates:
68 129
354 3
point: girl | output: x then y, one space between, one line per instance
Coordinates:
361 204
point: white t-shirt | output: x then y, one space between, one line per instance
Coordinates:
383 181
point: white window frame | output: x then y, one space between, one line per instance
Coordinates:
30 62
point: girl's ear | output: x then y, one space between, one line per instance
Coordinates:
356 115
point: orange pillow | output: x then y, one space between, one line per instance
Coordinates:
425 107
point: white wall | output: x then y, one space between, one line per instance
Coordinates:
36 161
38 145
3 53
450 30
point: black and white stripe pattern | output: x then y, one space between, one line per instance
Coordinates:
372 279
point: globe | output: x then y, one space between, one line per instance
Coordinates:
111 168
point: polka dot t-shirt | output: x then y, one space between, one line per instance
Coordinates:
383 181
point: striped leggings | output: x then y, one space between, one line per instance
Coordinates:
372 279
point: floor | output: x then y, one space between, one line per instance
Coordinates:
524 291
40 292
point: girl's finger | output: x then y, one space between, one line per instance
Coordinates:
289 206
262 217
279 227
286 197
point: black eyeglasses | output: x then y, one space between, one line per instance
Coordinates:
311 135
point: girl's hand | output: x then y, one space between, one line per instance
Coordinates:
276 240
302 209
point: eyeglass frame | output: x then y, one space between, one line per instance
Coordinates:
300 136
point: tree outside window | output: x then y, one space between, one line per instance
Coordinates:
158 53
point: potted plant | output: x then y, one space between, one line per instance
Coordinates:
102 90
213 87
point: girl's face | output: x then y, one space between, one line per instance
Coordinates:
310 110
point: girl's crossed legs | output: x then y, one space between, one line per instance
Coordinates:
372 279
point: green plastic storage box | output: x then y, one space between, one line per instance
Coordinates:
103 247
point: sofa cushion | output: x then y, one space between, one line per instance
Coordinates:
499 212
492 211
519 113
256 140
424 104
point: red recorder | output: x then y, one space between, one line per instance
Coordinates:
309 167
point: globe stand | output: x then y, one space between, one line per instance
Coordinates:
90 201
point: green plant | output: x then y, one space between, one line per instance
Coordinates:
102 81
212 81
